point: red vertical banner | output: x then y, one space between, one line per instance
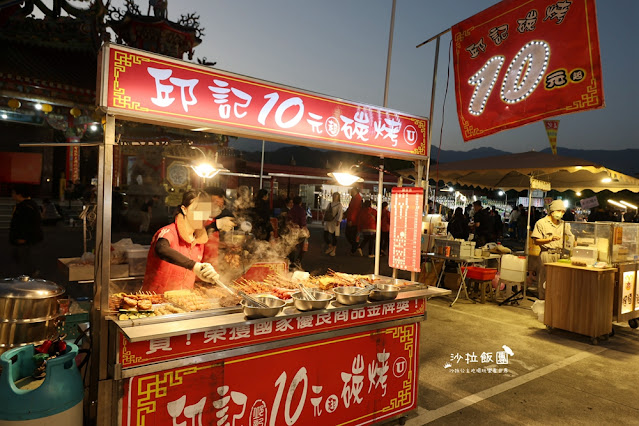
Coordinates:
73 161
518 62
407 208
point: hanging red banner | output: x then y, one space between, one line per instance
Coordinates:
518 62
143 86
355 379
552 127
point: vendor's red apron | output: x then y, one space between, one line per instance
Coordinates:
161 275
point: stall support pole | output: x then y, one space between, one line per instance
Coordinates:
262 165
100 388
378 230
527 246
430 120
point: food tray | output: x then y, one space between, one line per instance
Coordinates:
404 285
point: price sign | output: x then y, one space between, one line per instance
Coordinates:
522 61
407 208
589 203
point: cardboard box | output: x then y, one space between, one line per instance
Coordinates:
77 272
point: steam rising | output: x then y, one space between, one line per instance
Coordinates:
243 249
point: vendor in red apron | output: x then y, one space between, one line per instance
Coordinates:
222 220
175 256
549 235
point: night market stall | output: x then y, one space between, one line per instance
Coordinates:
163 358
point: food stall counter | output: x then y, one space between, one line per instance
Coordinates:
361 361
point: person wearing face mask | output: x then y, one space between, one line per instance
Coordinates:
222 220
175 256
549 235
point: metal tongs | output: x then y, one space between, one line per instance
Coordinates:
240 293
366 289
307 294
298 278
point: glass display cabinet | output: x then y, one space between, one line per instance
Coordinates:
617 244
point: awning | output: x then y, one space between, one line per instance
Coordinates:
513 171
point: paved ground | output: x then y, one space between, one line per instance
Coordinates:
557 378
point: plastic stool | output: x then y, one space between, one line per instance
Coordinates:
484 288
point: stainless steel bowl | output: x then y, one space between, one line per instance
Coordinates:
350 295
303 304
275 306
384 292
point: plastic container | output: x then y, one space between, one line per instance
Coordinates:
137 261
513 268
55 400
480 274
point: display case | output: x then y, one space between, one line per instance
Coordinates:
614 242
617 244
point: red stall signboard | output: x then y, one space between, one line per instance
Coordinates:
355 379
518 62
407 208
133 354
140 85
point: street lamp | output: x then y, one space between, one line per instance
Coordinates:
502 192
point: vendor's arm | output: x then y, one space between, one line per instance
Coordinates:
538 236
165 252
542 241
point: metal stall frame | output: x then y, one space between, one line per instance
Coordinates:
104 385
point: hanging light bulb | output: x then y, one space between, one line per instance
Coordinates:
205 169
345 177
14 104
75 111
46 108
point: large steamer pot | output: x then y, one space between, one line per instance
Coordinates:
28 311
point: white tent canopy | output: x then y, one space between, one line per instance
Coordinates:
513 171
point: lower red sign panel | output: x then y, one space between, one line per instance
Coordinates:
356 379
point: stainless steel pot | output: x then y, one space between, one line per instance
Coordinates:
28 311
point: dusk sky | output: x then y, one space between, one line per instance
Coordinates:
339 48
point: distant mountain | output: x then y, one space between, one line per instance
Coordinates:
449 156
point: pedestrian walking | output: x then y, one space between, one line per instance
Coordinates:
147 213
332 220
25 230
297 220
352 214
367 226
385 228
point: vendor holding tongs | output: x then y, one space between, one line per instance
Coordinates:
175 256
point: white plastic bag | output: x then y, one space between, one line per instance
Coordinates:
539 308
